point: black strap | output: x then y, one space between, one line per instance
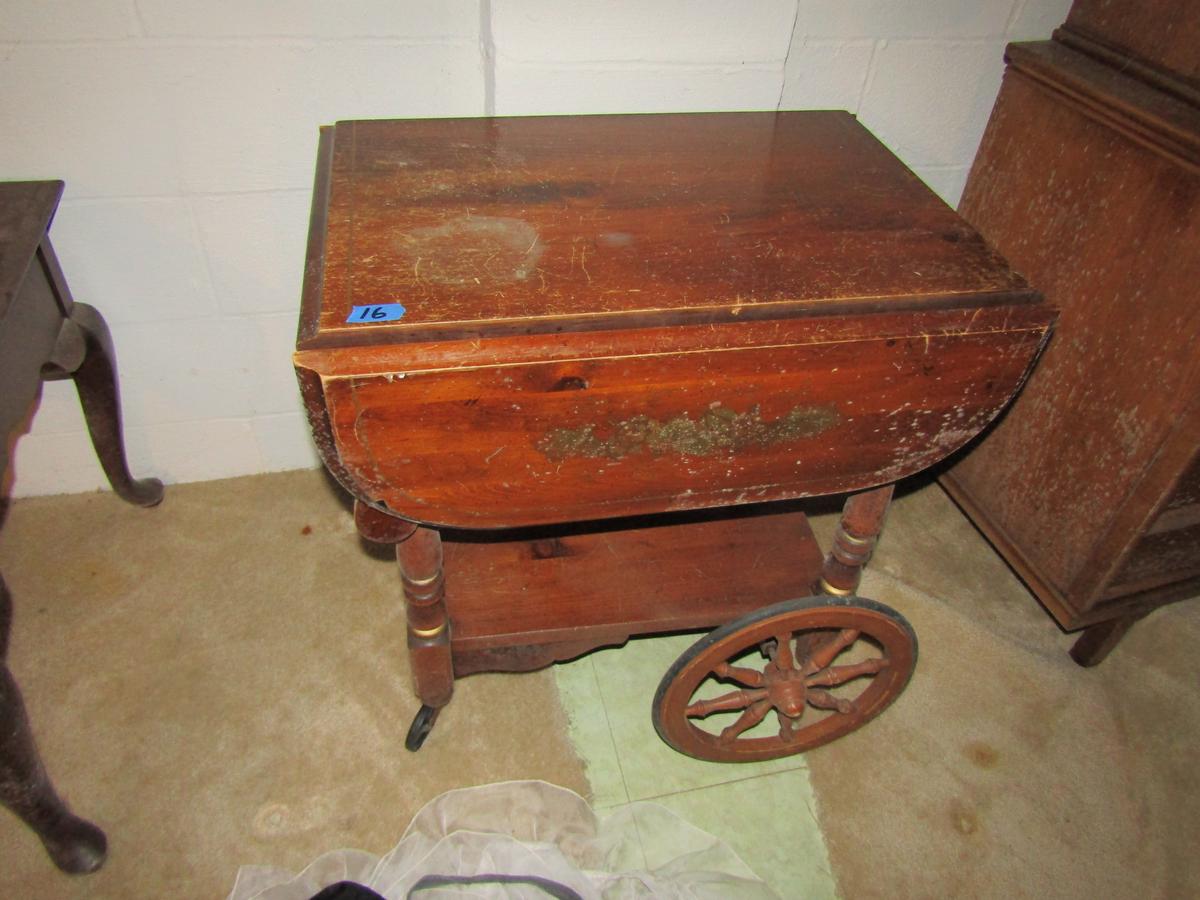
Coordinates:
552 888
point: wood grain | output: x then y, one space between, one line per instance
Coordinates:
608 584
476 446
553 222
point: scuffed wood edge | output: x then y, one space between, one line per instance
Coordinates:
537 348
633 320
312 391
314 257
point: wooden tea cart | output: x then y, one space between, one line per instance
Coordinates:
563 362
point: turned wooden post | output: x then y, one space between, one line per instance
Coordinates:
420 558
419 553
854 541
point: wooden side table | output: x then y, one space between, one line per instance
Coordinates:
45 334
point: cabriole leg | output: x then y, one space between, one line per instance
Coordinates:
75 845
96 381
862 519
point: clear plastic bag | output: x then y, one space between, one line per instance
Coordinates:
535 831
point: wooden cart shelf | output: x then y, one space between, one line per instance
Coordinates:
608 584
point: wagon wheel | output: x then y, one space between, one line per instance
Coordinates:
823 665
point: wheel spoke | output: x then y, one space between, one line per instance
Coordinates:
835 675
821 657
787 727
783 652
747 720
724 703
826 700
747 677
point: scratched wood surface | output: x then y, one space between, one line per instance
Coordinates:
702 310
1088 179
557 222
645 427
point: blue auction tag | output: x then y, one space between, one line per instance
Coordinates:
379 312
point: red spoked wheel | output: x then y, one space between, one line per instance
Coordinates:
823 665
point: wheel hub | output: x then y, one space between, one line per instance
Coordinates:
786 690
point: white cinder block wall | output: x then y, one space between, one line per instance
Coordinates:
186 132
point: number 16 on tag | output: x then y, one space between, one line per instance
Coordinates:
378 312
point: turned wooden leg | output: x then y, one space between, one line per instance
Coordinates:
420 558
75 845
419 553
862 518
1097 641
96 381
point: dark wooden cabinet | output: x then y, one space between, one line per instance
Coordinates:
1088 181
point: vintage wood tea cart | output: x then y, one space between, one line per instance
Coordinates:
560 344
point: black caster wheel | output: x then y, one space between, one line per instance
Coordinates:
422 724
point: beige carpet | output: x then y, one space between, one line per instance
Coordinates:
222 680
1005 770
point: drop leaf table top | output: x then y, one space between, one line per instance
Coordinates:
523 320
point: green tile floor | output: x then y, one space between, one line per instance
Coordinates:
765 811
